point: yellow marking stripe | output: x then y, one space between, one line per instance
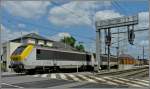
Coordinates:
16 57
26 52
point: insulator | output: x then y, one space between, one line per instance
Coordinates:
108 37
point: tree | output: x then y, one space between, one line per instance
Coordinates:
69 40
72 41
80 47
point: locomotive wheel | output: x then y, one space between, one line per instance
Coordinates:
55 69
30 71
19 69
84 68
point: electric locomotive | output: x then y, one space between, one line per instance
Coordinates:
30 58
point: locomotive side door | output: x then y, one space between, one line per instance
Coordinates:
54 62
88 59
54 54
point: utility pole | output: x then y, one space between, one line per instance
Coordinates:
108 58
105 43
118 50
0 54
108 44
117 54
20 26
105 48
0 50
143 55
138 61
98 48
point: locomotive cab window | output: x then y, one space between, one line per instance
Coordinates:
19 50
38 51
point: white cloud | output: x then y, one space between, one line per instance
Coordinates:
27 9
107 14
143 20
21 25
144 42
60 36
64 34
142 36
75 13
8 34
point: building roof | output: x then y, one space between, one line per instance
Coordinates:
126 56
56 44
32 35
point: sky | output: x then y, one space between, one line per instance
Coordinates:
56 19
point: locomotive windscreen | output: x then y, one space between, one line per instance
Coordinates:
19 50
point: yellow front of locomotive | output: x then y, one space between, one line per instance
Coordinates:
18 56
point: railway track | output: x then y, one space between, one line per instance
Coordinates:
124 73
131 78
113 80
145 71
141 75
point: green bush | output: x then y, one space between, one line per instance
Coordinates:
3 66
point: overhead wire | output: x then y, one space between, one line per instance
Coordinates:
48 28
73 13
119 8
70 11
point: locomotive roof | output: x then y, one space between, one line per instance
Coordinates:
61 50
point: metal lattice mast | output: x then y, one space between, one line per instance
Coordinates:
149 39
0 54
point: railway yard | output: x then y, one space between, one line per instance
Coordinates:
131 78
75 44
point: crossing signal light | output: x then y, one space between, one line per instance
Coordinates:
108 37
131 35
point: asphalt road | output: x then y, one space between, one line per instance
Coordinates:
29 82
67 81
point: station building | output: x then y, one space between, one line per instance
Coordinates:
126 61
